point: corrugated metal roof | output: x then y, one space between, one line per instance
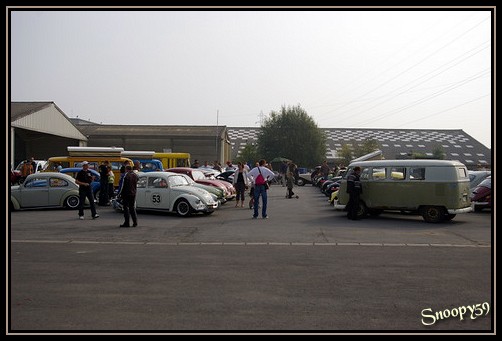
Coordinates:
22 109
149 130
43 117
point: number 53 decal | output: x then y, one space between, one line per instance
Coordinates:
156 198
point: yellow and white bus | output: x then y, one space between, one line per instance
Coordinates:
171 160
94 155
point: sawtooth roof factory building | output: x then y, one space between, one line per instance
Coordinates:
394 143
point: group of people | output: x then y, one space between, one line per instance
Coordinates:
215 165
257 179
126 193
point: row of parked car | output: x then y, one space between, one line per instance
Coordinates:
181 190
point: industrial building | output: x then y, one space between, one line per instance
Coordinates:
42 130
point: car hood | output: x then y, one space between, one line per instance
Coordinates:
480 192
217 183
211 189
199 192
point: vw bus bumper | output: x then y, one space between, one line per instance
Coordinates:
459 210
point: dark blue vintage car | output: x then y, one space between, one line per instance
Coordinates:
72 171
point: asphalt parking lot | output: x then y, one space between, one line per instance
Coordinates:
305 269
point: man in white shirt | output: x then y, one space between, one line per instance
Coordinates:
261 175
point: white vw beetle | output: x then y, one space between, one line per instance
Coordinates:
166 191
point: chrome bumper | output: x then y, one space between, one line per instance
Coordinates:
460 210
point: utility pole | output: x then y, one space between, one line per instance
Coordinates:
217 137
261 117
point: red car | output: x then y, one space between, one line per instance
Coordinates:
481 196
199 177
15 177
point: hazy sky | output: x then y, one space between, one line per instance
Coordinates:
348 69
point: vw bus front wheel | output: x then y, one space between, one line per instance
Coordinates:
433 214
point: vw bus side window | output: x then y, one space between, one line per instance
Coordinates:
365 174
347 172
398 173
417 173
379 173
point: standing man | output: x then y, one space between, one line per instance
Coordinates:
282 171
290 180
103 182
83 180
261 175
128 195
217 166
354 189
26 169
33 164
325 170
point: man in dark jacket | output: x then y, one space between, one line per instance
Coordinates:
128 196
84 179
354 189
103 181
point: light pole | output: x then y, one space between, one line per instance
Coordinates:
217 117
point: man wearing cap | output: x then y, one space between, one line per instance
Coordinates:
84 179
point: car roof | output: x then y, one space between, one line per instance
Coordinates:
76 169
183 168
476 172
159 173
406 163
486 182
51 174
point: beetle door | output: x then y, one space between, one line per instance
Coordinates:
156 193
35 192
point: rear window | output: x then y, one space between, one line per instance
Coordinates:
149 166
462 172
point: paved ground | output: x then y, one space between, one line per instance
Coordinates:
306 268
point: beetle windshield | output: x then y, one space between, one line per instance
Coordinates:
177 180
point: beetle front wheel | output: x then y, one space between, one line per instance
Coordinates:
183 208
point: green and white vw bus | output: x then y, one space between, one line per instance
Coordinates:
435 189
